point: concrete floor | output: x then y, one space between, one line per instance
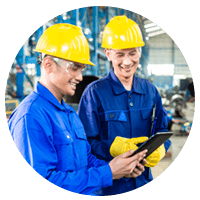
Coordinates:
177 142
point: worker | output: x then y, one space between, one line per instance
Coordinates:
49 133
191 90
116 110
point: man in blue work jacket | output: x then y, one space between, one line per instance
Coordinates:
121 104
49 133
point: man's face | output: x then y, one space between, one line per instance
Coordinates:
125 61
66 76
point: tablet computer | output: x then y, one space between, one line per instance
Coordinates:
153 143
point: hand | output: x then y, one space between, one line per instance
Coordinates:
155 157
121 145
123 165
137 171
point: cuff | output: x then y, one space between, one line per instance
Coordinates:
107 178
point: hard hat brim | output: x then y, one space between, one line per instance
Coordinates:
86 62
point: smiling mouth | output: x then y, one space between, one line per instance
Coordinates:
127 68
73 85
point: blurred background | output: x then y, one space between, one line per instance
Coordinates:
162 63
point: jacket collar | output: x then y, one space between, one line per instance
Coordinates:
45 93
118 88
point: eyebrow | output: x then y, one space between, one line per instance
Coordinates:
134 50
79 65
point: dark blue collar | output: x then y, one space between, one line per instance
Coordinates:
45 93
118 88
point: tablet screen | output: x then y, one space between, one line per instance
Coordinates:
153 143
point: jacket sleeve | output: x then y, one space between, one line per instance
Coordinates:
161 120
34 140
92 160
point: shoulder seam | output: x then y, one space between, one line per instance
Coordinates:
29 110
30 115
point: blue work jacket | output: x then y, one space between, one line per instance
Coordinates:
108 110
52 139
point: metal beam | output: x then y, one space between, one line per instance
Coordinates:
95 33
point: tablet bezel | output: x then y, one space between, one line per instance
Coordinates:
157 139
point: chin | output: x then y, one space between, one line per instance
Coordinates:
129 72
71 93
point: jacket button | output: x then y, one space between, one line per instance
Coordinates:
131 104
111 116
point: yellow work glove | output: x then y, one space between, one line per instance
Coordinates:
155 157
121 145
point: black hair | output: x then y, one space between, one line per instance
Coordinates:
39 59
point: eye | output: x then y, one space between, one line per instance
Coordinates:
119 55
132 53
75 68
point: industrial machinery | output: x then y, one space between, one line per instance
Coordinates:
173 118
10 106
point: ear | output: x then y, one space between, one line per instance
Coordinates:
140 51
48 64
108 54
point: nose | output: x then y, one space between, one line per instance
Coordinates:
79 77
127 60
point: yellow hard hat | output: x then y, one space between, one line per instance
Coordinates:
122 33
65 41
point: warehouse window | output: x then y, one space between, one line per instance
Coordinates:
160 69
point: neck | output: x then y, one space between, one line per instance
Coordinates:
52 89
126 82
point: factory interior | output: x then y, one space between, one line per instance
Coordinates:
161 63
